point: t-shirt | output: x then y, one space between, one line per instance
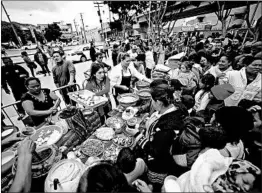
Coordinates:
41 58
61 73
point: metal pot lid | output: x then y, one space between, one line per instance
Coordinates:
65 170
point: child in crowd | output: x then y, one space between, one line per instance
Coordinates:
131 166
185 75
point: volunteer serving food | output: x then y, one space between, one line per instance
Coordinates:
121 74
39 102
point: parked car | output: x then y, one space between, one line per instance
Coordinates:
113 43
78 54
63 44
29 47
73 43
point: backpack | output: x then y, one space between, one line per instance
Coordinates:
188 143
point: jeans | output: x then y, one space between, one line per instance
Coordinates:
32 71
45 69
66 97
106 53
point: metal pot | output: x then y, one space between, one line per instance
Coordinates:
41 168
127 103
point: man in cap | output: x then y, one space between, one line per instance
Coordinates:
133 52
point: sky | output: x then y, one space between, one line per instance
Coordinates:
46 12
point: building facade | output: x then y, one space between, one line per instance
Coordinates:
93 35
207 22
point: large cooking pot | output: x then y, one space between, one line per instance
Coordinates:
127 99
40 167
142 85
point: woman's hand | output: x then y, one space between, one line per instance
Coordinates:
52 110
142 186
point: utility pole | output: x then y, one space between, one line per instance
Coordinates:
99 14
19 42
81 15
149 20
76 27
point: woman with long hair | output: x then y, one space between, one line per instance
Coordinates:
202 96
99 83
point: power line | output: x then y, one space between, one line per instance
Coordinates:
19 42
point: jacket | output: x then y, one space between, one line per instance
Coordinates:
188 143
37 60
214 70
238 80
161 138
11 75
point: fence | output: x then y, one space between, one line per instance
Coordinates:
14 105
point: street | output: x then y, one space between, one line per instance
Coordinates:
17 52
47 82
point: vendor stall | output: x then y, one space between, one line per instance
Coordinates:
73 134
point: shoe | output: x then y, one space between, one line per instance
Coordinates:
49 74
45 75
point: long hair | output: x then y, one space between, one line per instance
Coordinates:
94 69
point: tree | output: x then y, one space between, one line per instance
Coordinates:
252 31
39 36
52 32
125 11
8 35
221 16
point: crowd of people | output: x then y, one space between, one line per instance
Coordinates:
203 130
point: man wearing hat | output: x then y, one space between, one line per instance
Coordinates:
133 52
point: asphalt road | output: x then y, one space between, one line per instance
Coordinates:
15 53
